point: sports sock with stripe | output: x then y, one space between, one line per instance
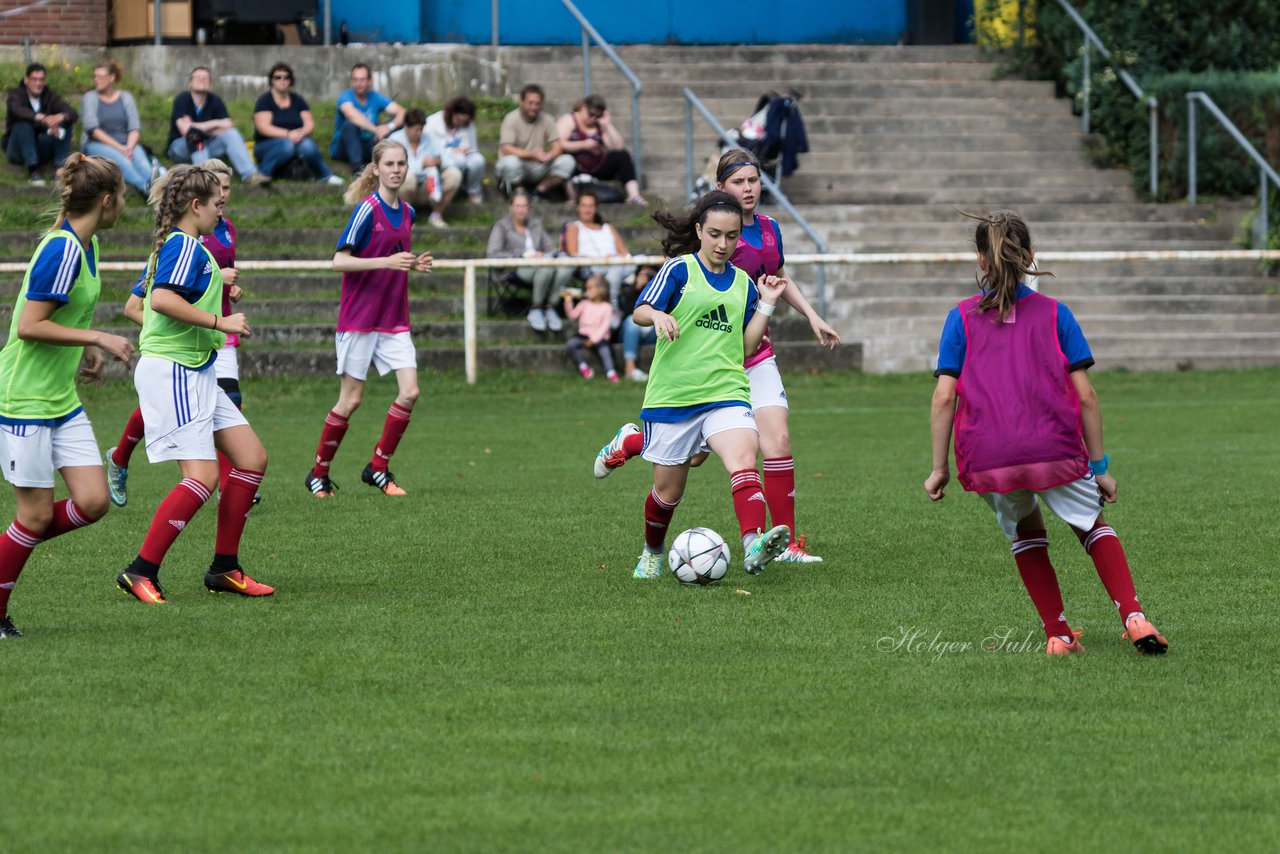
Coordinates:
16 545
657 518
179 506
233 509
1031 554
392 429
66 517
780 491
748 500
335 427
134 430
1109 559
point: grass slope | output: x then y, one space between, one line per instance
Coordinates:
472 668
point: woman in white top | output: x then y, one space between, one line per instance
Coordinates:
462 164
112 126
422 181
591 237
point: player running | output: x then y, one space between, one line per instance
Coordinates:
373 316
707 314
187 417
43 427
1028 428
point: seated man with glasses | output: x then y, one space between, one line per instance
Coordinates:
589 135
37 126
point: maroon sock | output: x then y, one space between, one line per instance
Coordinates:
233 509
66 517
15 547
392 429
657 518
335 427
780 491
748 500
173 514
134 430
1104 548
224 469
632 445
1031 554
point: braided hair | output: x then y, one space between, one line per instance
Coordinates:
171 196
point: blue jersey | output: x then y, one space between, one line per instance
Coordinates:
54 271
951 347
183 267
371 109
360 227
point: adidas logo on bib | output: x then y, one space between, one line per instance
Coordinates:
716 319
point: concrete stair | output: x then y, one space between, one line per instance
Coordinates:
900 139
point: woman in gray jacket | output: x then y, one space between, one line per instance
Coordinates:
516 236
111 127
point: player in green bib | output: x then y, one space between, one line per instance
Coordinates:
707 314
43 428
187 417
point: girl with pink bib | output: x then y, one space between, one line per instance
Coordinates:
373 315
1012 379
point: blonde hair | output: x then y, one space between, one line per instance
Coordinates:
217 167
82 181
171 196
1004 241
367 181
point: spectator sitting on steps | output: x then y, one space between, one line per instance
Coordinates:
517 236
200 128
282 127
422 180
589 135
529 147
37 125
112 127
356 129
454 130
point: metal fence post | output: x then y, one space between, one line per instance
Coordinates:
1191 147
1088 77
1153 110
469 322
1262 214
328 23
688 149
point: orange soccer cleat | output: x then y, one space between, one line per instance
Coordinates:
1144 637
1057 646
141 588
236 582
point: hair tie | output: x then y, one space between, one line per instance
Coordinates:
728 170
83 157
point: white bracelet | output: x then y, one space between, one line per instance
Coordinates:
766 308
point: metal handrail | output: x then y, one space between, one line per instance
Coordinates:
589 34
1091 40
1266 172
690 101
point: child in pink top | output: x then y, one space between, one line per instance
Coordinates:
594 316
1013 380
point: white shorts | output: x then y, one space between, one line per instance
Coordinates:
227 366
182 409
766 385
31 453
1077 503
387 351
673 444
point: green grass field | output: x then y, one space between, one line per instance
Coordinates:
473 668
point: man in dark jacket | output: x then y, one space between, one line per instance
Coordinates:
37 125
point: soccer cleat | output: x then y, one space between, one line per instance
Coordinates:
141 588
8 629
765 548
117 480
321 487
257 499
1144 637
383 480
236 582
1057 646
649 566
797 552
611 456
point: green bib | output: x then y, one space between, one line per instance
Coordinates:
38 380
181 342
703 365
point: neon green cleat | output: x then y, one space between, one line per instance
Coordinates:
649 566
765 548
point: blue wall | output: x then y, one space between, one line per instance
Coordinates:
642 22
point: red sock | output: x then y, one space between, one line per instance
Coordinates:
66 517
335 427
1104 548
392 429
224 469
657 518
748 500
1031 554
780 491
129 439
632 445
15 547
233 509
173 514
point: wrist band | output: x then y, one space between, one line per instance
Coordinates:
766 308
1099 467
215 322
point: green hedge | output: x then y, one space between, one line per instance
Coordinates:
1172 47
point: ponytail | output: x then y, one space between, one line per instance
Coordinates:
1004 241
82 181
682 232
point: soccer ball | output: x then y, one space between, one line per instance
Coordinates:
699 556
